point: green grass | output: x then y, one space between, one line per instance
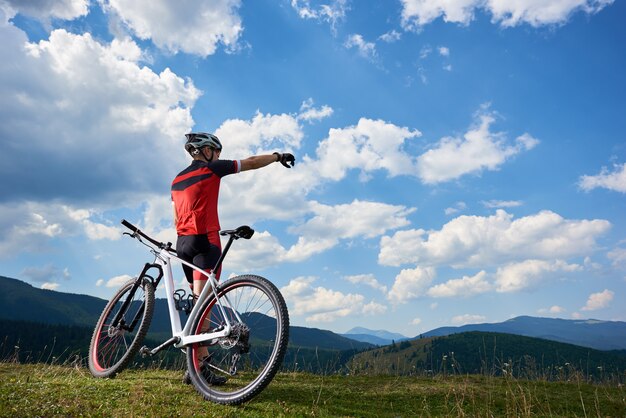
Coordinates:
52 390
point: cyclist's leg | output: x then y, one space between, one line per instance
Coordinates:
184 249
206 258
208 249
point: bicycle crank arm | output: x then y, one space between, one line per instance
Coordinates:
145 351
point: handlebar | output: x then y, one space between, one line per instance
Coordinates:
137 231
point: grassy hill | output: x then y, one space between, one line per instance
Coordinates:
36 390
489 353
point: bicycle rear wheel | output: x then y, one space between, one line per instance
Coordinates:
113 346
253 352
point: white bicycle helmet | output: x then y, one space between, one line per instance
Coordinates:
199 140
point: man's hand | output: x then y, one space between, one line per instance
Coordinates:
286 159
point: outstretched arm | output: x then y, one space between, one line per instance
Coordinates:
259 161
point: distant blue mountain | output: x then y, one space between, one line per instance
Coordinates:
601 335
377 337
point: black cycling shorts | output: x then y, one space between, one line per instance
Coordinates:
197 250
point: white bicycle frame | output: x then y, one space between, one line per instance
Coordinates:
163 259
182 336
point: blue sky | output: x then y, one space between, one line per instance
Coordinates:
458 161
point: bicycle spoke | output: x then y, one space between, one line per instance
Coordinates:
113 347
251 354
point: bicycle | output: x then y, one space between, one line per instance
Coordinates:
242 325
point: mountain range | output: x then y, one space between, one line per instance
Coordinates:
376 337
44 325
21 301
601 335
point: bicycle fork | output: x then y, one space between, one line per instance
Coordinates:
138 282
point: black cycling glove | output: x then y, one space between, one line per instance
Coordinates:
286 159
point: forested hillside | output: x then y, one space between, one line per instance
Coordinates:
601 335
19 300
488 353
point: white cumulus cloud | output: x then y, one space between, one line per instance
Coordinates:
517 276
369 146
326 227
479 149
411 284
310 113
478 241
319 304
261 133
615 180
330 224
358 218
44 10
540 12
117 281
69 87
465 287
196 27
263 250
29 225
417 13
599 300
373 308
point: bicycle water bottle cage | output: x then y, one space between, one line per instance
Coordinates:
183 301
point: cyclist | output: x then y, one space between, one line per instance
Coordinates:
195 192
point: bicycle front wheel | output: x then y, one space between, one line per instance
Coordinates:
235 368
113 345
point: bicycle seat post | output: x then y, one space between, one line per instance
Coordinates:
231 238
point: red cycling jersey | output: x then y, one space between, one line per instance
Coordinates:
195 192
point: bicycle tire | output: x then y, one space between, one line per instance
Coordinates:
261 348
111 349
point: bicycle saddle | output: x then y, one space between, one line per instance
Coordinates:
243 231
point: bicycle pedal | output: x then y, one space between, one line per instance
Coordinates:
145 351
